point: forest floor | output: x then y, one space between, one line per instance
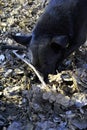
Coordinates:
25 104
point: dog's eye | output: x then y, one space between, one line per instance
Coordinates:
55 47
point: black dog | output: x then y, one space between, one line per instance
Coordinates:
61 29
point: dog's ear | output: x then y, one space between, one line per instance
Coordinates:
61 40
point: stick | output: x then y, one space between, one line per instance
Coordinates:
33 68
4 47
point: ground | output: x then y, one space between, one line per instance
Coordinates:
26 104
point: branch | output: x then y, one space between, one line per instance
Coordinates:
33 68
11 47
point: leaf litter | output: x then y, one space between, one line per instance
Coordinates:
24 103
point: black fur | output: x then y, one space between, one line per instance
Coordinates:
62 19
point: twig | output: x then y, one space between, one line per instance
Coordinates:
10 47
33 68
